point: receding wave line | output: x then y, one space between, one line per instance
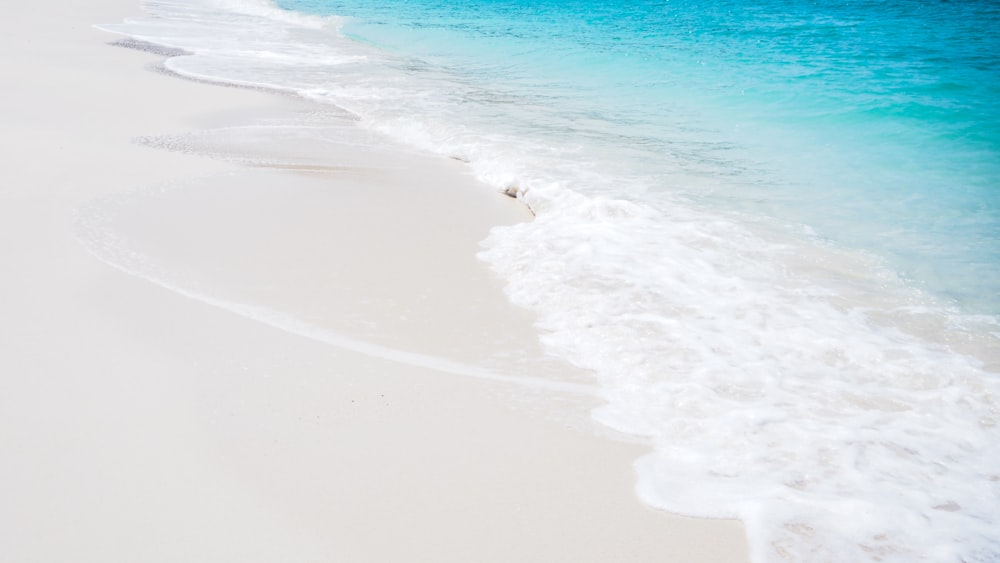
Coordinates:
99 242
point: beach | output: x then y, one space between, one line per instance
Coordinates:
299 359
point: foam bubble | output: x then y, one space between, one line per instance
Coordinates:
765 394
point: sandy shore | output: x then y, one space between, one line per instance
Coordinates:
208 361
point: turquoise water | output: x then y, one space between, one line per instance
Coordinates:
874 124
769 232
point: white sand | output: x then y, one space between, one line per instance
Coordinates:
139 424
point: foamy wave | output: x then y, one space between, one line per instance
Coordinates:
259 8
247 29
766 396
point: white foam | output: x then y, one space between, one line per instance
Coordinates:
267 9
766 395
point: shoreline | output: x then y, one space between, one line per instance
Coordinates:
146 425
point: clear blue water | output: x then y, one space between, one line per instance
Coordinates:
770 231
875 124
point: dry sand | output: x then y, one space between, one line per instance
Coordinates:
141 423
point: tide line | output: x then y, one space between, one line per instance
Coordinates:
294 325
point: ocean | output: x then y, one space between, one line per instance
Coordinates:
770 230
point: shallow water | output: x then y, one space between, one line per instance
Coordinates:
770 232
